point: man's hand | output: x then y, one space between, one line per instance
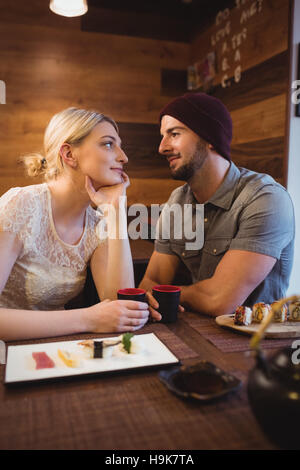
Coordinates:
153 305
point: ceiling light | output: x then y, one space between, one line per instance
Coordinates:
69 7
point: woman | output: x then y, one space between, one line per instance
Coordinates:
48 234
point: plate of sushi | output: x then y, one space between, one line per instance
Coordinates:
34 362
285 324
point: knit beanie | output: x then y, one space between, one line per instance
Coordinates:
206 116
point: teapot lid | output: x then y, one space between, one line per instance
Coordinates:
286 362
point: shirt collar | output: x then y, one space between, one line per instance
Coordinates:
224 195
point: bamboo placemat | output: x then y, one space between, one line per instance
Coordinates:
226 340
175 344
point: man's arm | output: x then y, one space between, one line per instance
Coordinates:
266 227
161 270
236 276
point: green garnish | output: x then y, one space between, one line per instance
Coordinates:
126 340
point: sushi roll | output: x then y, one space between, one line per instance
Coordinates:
260 311
280 316
243 316
294 311
99 349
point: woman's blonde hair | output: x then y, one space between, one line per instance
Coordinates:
71 125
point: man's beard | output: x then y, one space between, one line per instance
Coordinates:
187 171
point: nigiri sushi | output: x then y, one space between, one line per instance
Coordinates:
68 358
97 347
42 360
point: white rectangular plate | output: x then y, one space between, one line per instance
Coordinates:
20 365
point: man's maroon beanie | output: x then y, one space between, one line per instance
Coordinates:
206 116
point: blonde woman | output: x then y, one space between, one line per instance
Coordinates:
48 234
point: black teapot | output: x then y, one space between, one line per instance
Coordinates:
274 390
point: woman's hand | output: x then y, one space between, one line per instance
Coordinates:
117 316
153 305
107 194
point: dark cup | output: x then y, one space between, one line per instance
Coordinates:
132 294
168 298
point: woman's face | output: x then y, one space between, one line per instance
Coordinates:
100 156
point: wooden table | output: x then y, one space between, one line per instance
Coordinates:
132 410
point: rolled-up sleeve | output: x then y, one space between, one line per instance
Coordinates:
266 223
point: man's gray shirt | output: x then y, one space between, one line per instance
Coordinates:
249 211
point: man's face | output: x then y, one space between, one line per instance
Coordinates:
186 151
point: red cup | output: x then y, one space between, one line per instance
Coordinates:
168 298
132 294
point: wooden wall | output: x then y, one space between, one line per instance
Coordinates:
254 42
48 63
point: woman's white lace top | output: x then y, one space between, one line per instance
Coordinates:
48 272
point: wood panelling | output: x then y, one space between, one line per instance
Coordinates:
259 121
272 81
263 156
142 24
265 80
64 45
48 63
141 144
258 101
267 148
173 82
151 190
266 36
175 20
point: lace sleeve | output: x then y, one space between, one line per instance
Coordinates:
17 213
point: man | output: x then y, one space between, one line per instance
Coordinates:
248 217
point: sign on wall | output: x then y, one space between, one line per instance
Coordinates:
235 39
231 37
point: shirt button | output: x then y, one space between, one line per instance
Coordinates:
215 250
183 254
205 220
